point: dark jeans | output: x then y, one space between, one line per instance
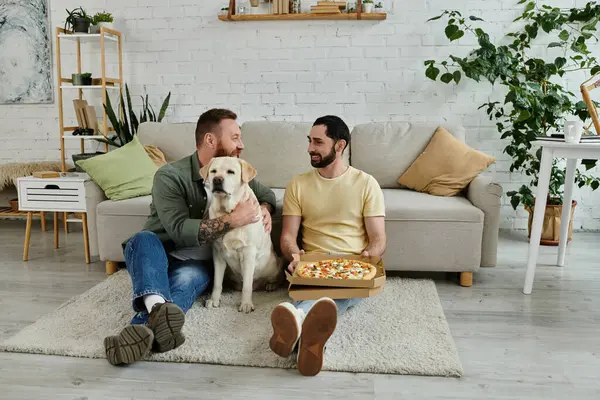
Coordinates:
153 271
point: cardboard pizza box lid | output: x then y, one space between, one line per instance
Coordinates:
299 292
377 281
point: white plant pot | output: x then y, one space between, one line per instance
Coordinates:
379 10
94 29
367 8
108 25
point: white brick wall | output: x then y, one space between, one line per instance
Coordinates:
274 70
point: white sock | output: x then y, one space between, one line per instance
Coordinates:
151 299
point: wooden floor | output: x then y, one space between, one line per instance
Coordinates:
542 346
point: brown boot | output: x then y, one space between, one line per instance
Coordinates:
166 321
317 328
129 346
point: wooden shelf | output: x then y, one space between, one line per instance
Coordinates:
87 36
305 16
89 87
8 212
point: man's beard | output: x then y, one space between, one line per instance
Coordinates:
323 162
221 152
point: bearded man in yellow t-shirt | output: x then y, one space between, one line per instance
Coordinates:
340 210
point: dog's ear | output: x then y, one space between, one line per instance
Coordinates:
204 170
248 171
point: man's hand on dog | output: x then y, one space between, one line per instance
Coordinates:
295 261
266 217
244 213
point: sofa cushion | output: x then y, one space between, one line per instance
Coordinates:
445 167
123 173
408 205
278 150
387 149
139 206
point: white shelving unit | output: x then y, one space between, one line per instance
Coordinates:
108 83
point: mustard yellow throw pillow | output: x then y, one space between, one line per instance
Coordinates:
156 155
446 166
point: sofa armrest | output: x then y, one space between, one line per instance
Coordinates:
93 196
486 195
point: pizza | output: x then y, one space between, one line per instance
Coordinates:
337 269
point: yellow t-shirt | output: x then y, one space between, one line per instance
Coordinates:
333 210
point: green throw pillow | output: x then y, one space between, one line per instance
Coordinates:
122 173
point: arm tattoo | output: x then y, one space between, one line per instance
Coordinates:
212 229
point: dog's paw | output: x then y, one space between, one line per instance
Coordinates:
270 287
246 307
210 303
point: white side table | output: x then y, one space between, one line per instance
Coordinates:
572 152
64 194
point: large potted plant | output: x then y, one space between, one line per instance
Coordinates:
126 126
535 102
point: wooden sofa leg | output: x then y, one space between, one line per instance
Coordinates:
466 279
111 267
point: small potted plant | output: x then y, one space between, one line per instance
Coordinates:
84 79
101 19
367 6
78 20
224 10
379 7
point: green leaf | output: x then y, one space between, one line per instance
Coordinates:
457 35
560 62
530 6
435 18
589 164
514 202
432 72
563 35
555 44
521 1
532 31
595 70
473 18
523 116
451 30
595 185
456 76
163 108
134 121
447 77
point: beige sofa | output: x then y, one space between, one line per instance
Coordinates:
424 232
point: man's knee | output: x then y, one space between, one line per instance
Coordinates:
143 238
190 278
145 247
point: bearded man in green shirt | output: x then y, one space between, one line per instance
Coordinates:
170 260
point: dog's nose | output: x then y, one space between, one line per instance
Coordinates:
218 180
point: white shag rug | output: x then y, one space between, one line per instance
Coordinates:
401 331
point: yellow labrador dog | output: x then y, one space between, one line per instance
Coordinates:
248 251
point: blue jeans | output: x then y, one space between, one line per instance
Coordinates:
342 304
152 271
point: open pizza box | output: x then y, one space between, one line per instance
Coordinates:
312 289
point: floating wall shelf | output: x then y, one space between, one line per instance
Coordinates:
309 16
231 15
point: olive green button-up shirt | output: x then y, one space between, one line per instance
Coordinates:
179 201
